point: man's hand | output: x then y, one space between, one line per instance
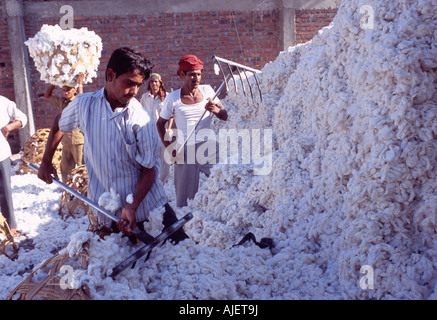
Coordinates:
16 124
45 172
5 132
217 109
80 78
172 156
213 107
128 220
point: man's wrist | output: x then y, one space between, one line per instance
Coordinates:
7 128
46 159
132 206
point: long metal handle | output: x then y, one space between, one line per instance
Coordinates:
237 65
78 195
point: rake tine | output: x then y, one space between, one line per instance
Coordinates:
259 89
222 72
233 79
248 82
241 79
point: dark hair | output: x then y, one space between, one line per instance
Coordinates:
124 60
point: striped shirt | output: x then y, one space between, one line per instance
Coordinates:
117 144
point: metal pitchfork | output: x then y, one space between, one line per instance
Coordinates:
227 75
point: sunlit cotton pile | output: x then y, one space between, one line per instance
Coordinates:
354 172
60 55
353 181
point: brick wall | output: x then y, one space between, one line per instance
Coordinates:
309 22
250 38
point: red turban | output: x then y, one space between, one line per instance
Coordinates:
189 62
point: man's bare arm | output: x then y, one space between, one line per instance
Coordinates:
160 125
143 186
46 168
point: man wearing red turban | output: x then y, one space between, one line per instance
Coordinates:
189 62
187 106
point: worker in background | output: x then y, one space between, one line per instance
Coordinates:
152 101
187 105
72 142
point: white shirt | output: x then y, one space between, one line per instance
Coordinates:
152 104
117 144
187 115
8 113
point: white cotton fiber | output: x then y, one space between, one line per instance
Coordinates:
354 115
60 55
130 198
352 185
110 201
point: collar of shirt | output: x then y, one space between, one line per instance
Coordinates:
118 111
151 95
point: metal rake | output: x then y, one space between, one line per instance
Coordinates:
241 70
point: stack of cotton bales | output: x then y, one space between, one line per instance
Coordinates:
60 55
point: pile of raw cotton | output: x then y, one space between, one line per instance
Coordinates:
350 200
353 181
61 54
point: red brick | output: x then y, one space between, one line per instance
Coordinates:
165 37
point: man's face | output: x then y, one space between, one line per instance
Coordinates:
192 78
68 93
123 88
154 85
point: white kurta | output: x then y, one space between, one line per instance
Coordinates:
8 112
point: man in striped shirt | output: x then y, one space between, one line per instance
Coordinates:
121 146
